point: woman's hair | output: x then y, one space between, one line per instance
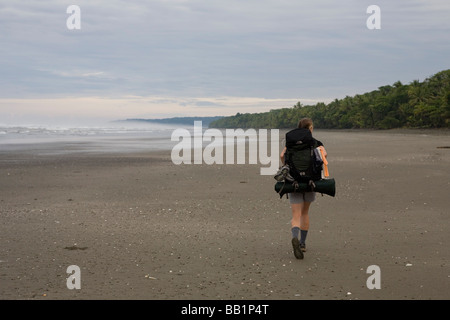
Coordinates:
305 123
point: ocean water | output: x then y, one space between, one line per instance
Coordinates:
109 137
130 137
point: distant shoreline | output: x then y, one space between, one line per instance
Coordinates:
175 120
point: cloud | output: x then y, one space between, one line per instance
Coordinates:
72 110
208 49
79 74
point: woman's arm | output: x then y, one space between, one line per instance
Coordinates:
282 155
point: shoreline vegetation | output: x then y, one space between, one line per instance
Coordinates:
418 105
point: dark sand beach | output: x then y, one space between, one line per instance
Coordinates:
140 227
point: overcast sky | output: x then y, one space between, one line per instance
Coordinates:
163 58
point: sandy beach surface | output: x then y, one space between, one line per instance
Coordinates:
140 227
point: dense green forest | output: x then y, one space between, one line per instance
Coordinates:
416 105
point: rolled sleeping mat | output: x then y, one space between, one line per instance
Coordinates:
326 186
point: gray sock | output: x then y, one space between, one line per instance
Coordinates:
303 234
295 232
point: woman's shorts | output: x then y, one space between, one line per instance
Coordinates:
298 197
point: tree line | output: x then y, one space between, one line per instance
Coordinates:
416 105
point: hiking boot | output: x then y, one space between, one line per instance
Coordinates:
296 246
303 247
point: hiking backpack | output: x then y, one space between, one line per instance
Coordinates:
302 157
302 170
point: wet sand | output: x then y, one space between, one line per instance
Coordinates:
140 227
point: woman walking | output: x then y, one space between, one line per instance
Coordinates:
301 202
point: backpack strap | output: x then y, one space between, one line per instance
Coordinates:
312 185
